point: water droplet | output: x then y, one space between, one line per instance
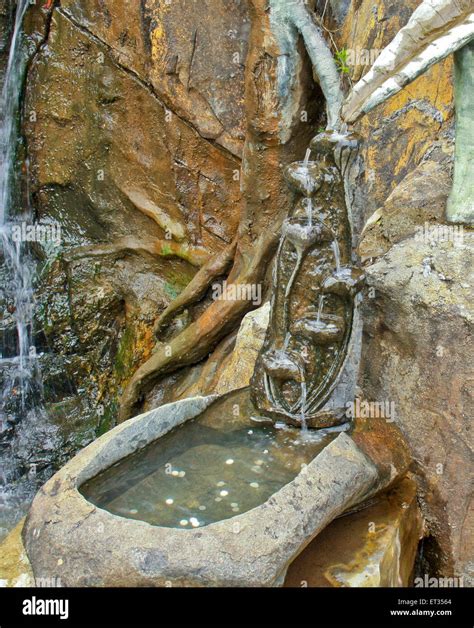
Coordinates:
250 432
229 461
174 473
169 501
224 493
183 522
194 522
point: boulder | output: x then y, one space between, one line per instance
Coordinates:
238 369
253 548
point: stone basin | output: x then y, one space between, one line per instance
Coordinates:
346 282
283 365
304 177
69 537
328 329
304 235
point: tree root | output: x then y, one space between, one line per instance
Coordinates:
196 289
264 190
195 255
197 341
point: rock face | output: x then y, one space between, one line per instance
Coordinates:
194 60
374 547
399 133
416 354
418 304
135 154
416 204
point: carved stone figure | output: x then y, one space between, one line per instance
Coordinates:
314 288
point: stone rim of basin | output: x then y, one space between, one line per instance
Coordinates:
305 177
304 235
68 537
328 329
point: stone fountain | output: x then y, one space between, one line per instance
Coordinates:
227 491
314 303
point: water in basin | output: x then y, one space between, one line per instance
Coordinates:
211 468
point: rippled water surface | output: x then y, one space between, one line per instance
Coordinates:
211 468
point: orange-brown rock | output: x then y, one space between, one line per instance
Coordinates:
374 547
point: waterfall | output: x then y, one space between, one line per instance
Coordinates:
309 211
304 426
19 288
19 374
320 307
306 157
337 254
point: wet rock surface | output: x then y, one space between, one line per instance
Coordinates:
194 60
375 547
15 568
418 339
142 194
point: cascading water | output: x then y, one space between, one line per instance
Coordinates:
18 273
337 254
19 374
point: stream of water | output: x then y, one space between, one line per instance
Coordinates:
337 254
19 374
19 292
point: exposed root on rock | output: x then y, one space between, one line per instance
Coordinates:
197 288
275 31
196 341
195 255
